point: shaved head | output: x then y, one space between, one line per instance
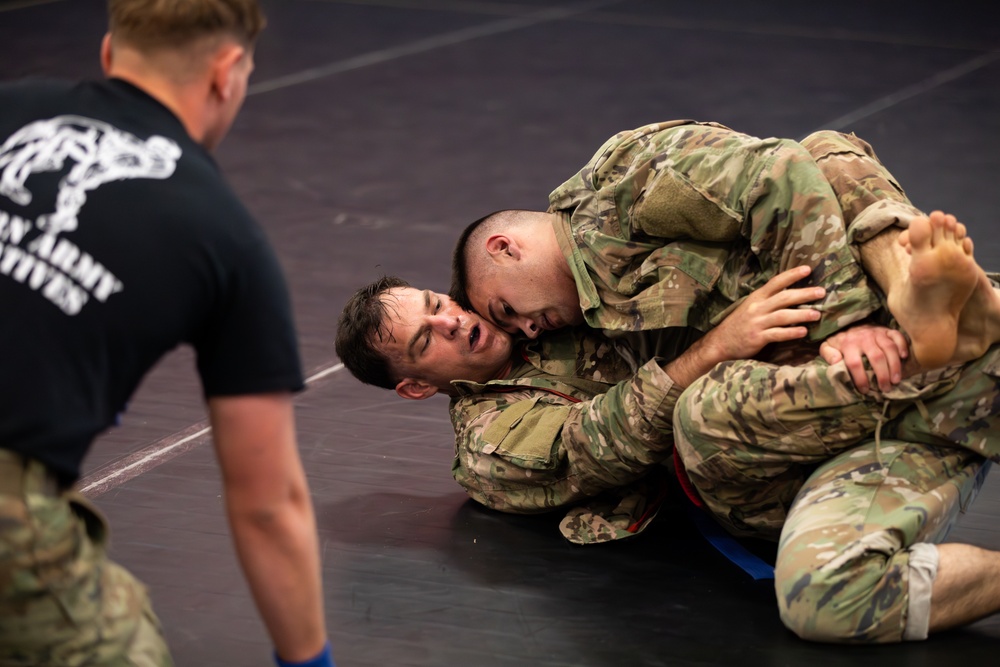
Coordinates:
470 257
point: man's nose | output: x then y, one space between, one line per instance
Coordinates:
529 328
446 324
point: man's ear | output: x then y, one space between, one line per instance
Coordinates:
501 247
106 54
227 59
415 389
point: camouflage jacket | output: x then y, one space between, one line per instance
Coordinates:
575 420
674 223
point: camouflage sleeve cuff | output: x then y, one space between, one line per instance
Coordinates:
659 394
879 217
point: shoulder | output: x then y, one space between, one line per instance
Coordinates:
24 100
36 86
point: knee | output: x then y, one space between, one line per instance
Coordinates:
708 398
808 600
687 409
853 594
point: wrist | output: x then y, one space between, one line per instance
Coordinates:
324 659
697 360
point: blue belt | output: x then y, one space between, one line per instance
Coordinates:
724 543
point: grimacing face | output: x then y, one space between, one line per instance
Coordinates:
528 299
434 340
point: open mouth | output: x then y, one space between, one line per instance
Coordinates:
474 336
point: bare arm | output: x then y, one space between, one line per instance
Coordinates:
271 517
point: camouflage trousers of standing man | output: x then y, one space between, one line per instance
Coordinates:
62 602
857 485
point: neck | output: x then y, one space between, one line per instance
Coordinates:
177 98
548 241
505 370
180 80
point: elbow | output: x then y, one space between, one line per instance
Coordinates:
266 511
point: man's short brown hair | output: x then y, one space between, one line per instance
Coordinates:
363 326
152 24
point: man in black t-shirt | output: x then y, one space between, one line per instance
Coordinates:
119 239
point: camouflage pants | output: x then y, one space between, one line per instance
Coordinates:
869 196
61 601
750 434
856 561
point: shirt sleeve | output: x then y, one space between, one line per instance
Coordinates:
534 450
249 344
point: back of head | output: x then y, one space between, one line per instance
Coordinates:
151 25
361 327
469 255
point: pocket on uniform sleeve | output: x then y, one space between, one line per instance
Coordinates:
526 434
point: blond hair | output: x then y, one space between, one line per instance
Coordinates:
148 25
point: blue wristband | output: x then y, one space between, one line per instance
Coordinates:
324 659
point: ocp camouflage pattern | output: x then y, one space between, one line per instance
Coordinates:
843 571
62 602
575 421
674 223
749 432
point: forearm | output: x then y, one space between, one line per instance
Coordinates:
560 450
271 518
696 361
620 435
278 550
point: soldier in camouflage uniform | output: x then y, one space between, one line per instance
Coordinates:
574 418
575 421
747 211
550 425
673 223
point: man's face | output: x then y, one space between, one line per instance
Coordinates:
527 298
433 339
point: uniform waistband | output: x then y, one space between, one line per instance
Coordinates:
20 475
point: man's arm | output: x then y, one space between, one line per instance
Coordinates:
771 314
544 446
271 517
537 449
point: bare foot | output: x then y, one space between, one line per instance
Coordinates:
942 276
979 323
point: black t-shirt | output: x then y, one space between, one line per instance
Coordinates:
119 239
